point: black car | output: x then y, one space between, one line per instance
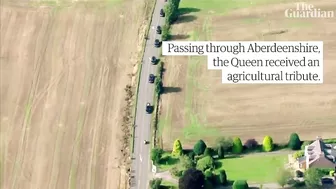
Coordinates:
157 43
162 13
148 108
151 78
158 30
153 60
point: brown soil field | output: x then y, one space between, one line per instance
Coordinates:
198 106
64 68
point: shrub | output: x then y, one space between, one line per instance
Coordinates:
225 143
240 184
222 177
155 183
207 152
298 154
299 174
156 154
304 144
237 147
208 174
312 178
176 172
205 163
158 85
268 144
191 155
294 142
166 32
186 162
283 177
332 173
177 148
251 144
199 147
220 152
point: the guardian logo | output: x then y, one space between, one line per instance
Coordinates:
304 10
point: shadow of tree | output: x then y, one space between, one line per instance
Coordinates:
183 11
171 90
185 19
179 36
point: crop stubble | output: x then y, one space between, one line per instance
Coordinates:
63 73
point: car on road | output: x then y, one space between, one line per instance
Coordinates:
162 13
146 142
158 30
153 59
151 78
157 43
149 108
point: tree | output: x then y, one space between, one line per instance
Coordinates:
156 154
199 147
207 152
192 179
224 143
298 154
283 177
155 183
166 32
220 152
208 174
240 184
158 85
294 141
251 143
312 178
304 144
177 148
186 162
171 12
205 163
268 144
222 177
237 147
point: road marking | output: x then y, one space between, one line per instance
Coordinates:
140 158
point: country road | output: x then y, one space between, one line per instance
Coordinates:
141 165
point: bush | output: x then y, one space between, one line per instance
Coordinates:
199 147
177 148
304 144
176 172
268 144
166 32
208 174
294 142
332 173
220 152
205 163
240 184
155 183
299 174
251 144
207 152
156 154
191 155
237 147
222 177
158 85
298 154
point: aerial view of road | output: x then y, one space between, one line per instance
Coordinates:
141 166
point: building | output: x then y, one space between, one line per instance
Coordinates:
318 155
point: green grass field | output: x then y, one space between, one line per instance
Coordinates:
254 168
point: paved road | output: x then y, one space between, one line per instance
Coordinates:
141 166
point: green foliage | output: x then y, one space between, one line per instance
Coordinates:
240 184
225 144
208 174
186 162
208 184
237 147
304 144
298 154
176 171
268 144
207 152
177 148
331 173
294 142
192 179
171 13
166 32
220 152
158 85
283 177
312 178
222 177
205 163
156 154
155 183
199 147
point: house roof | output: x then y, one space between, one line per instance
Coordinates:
320 149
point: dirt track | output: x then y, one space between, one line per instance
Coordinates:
204 108
63 74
